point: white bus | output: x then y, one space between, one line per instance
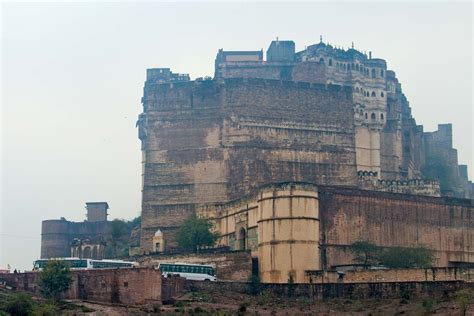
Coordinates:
77 263
198 272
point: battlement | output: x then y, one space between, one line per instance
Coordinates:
162 75
369 180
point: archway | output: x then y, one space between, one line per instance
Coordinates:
87 253
242 239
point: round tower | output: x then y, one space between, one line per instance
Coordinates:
55 238
288 230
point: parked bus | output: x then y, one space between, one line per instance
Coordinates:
77 263
189 271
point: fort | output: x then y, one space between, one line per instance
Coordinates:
62 238
294 158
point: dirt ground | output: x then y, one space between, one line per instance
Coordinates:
202 303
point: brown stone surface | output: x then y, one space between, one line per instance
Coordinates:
235 266
213 142
445 225
124 286
393 275
57 235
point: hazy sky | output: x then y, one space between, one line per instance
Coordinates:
72 79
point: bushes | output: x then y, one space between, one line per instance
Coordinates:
21 304
55 279
368 254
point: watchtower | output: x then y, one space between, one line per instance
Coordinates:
97 211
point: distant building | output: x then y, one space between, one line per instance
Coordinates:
62 238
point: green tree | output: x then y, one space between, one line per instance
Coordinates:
118 239
463 298
365 252
55 279
20 304
196 233
400 257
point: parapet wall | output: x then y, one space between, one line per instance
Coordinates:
353 291
392 275
124 286
369 181
230 266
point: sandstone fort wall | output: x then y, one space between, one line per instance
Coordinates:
210 142
445 225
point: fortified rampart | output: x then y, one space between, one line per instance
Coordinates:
445 225
57 236
62 238
131 286
215 141
334 119
295 227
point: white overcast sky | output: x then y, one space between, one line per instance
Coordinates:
72 78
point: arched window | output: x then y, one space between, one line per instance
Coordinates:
381 73
381 116
352 66
321 60
366 117
373 73
357 67
373 94
357 89
372 116
381 94
344 66
330 62
242 239
87 253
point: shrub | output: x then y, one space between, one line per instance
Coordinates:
45 310
463 298
19 304
428 305
400 257
55 279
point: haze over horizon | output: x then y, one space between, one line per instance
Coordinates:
73 74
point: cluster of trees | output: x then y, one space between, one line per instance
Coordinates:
196 233
368 254
118 239
54 280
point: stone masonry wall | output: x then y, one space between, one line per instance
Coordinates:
124 286
211 142
57 235
445 225
235 266
393 275
326 291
